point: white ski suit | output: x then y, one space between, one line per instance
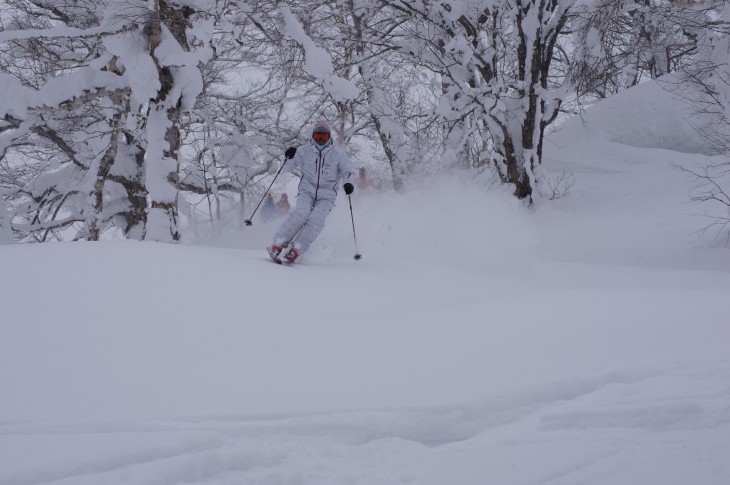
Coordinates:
322 172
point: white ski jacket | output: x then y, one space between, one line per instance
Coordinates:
323 171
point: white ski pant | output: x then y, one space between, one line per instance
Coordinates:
304 223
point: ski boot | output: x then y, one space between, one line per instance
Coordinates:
293 255
274 252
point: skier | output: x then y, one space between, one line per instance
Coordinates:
322 167
269 210
283 206
362 179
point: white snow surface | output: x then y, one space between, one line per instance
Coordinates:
582 341
645 116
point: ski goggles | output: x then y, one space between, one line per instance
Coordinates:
320 138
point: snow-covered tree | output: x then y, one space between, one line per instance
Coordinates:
341 65
494 58
52 101
399 110
160 57
705 84
6 231
239 128
621 42
94 98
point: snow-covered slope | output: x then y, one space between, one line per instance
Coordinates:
582 341
647 116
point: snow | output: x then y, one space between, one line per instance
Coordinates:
645 117
581 341
9 35
16 99
141 72
317 60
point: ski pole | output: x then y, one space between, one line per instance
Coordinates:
357 254
248 221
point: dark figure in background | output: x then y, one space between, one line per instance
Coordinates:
362 179
269 209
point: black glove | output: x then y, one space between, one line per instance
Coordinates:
290 152
348 188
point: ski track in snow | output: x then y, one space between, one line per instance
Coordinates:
615 416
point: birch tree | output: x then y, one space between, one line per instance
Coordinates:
6 231
57 91
103 86
172 92
498 91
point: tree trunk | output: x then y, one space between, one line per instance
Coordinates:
6 231
162 175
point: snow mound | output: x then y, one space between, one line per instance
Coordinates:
645 116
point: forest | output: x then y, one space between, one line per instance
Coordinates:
135 119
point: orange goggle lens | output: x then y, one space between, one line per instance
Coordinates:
321 138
